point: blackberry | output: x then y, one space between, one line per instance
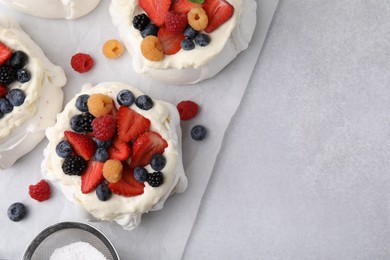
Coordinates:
74 165
7 75
140 21
155 179
87 123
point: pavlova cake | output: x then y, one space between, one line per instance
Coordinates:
28 83
116 152
183 41
68 9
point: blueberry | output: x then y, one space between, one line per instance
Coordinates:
150 29
187 44
198 132
103 144
5 106
64 149
77 123
158 162
190 33
18 59
16 212
81 103
202 39
23 76
101 154
144 102
125 97
140 174
103 192
16 97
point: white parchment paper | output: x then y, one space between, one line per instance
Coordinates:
162 234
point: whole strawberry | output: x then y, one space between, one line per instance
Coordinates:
104 127
40 191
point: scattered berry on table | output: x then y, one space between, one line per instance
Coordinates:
198 132
140 174
82 62
112 170
3 91
22 76
101 154
150 29
197 18
104 127
176 22
152 48
5 106
7 75
187 44
99 104
113 49
158 162
187 109
125 97
74 165
144 102
16 97
140 21
190 33
202 39
64 149
18 59
156 10
103 192
17 211
40 191
155 179
5 53
81 102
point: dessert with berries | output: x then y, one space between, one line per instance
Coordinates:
183 41
117 152
69 9
28 83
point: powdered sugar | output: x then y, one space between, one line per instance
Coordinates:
77 250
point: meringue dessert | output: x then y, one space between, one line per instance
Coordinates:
183 41
68 9
28 83
116 152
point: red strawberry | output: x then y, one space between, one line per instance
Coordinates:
187 109
131 124
83 145
145 146
156 9
218 12
127 186
5 53
3 91
40 191
184 6
169 40
104 127
176 22
92 176
119 150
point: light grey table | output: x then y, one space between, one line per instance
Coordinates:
315 126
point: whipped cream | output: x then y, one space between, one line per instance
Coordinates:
68 9
24 127
126 211
188 67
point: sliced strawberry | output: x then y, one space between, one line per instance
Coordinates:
218 12
92 176
184 6
82 144
119 150
170 40
3 91
127 186
145 146
156 9
5 53
131 124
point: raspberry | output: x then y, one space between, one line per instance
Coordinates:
112 49
81 62
104 127
152 48
187 109
99 105
40 191
176 22
197 18
112 170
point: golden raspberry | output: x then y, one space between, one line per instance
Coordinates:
152 48
197 18
112 170
99 105
112 49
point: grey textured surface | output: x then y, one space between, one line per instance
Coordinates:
314 125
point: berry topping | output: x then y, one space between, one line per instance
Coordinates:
113 49
140 174
125 97
190 33
88 118
184 6
16 97
81 62
64 149
5 53
170 40
3 91
101 154
74 165
131 124
18 59
16 212
83 145
5 106
156 10
197 18
99 104
155 179
104 127
152 48
23 76
120 150
81 103
103 193
128 185
112 170
218 12
158 162
145 146
144 102
102 144
7 75
150 29
176 22
198 133
187 109
77 123
187 44
202 39
140 21
92 176
40 191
